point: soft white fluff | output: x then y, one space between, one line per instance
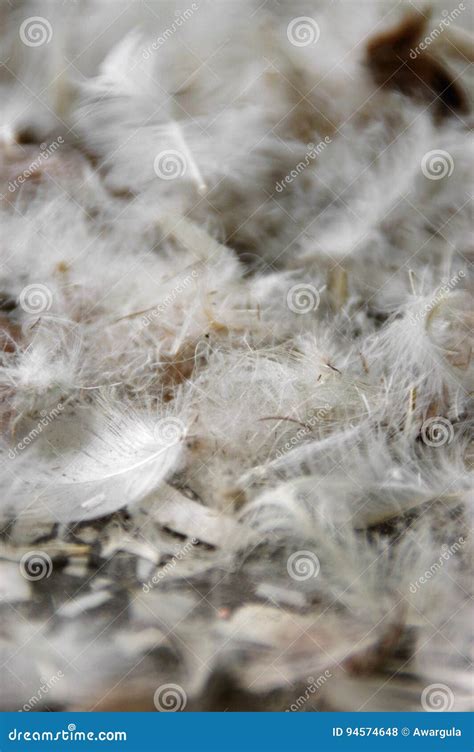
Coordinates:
285 338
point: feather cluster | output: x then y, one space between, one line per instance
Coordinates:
235 377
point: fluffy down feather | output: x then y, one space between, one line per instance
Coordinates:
235 362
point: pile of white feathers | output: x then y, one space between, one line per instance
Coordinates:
235 356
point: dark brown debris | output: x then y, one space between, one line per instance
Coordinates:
396 61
